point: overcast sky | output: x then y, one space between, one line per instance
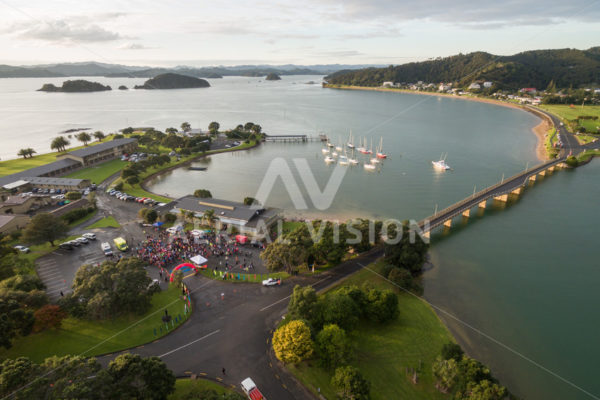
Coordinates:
198 32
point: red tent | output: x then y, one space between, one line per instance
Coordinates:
241 239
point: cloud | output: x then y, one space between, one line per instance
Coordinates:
63 31
134 46
466 13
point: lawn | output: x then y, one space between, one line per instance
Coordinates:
549 141
587 155
106 222
99 173
384 352
183 388
90 338
17 165
82 220
586 138
289 226
571 113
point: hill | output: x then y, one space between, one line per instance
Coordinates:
537 68
173 81
75 86
8 71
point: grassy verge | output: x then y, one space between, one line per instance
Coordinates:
587 155
568 113
549 141
82 220
245 277
99 173
89 338
583 138
184 388
290 226
106 222
383 353
38 250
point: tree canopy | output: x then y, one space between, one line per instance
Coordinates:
292 342
45 227
350 384
202 193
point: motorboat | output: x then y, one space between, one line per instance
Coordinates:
441 164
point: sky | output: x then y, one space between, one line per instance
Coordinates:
224 32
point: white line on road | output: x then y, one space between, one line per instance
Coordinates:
48 275
189 344
285 298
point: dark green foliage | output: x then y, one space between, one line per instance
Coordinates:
538 68
151 216
169 218
78 85
25 283
132 180
109 290
76 214
452 351
340 309
202 193
173 81
119 186
73 195
250 201
572 161
44 227
303 303
209 394
382 306
13 321
333 346
409 253
350 384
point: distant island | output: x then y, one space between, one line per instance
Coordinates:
273 77
173 81
122 87
75 86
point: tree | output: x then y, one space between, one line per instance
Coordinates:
13 321
452 351
292 342
303 303
99 135
350 384
257 129
134 377
209 216
572 161
401 277
112 289
251 201
485 390
44 227
340 309
248 126
382 305
28 152
169 218
185 126
142 213
213 127
289 251
333 346
151 216
49 316
133 180
190 215
446 372
407 253
173 141
59 143
202 193
171 130
84 137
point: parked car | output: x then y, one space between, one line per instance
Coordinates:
121 244
74 243
65 246
22 249
271 282
89 236
82 240
105 246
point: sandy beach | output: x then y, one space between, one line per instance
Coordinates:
539 130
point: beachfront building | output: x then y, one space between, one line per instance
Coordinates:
102 152
387 84
444 87
487 84
474 86
250 220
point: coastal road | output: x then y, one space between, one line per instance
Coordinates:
231 327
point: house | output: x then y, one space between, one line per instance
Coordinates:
193 132
251 220
530 90
22 204
11 223
56 168
487 84
474 86
101 152
57 183
444 87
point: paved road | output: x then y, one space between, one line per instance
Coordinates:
234 332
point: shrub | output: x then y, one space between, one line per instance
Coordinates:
76 214
133 180
169 218
401 277
151 216
572 161
49 316
119 186
333 346
292 342
73 195
350 384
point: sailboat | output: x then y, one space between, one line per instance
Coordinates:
370 167
441 164
352 160
363 148
370 150
380 153
338 148
350 142
325 150
329 159
343 159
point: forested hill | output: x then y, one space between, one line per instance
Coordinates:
566 67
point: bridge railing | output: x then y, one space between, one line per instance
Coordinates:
490 189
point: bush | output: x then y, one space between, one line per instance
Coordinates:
452 351
133 180
292 342
572 161
202 193
49 316
169 218
26 283
350 384
333 346
76 214
119 186
73 195
382 305
401 277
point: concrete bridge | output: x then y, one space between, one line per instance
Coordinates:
499 192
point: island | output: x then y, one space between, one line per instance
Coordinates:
173 81
122 87
273 77
75 86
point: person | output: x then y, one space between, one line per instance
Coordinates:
224 371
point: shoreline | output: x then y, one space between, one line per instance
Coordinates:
539 130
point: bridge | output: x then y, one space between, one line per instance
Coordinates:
295 138
499 192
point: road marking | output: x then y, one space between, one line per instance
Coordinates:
219 379
203 373
189 344
49 275
285 298
285 387
276 376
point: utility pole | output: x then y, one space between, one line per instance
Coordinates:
502 181
435 212
474 188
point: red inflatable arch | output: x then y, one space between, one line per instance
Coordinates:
185 267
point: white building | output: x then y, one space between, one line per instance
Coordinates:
474 86
487 84
388 84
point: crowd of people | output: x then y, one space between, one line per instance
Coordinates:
165 251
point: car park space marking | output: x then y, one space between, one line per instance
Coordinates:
49 276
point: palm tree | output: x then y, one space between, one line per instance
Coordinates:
99 135
30 151
209 216
84 137
257 129
59 143
25 152
190 215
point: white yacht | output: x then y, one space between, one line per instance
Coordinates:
370 167
343 160
329 159
441 164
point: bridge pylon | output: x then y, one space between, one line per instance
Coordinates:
466 213
532 178
448 223
543 173
482 204
502 197
516 192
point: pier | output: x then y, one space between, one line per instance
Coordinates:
295 138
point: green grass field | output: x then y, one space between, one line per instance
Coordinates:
100 172
384 352
571 113
289 226
91 338
587 155
106 222
549 141
184 387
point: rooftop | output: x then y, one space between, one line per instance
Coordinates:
90 150
5 219
222 208
42 180
14 200
37 171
